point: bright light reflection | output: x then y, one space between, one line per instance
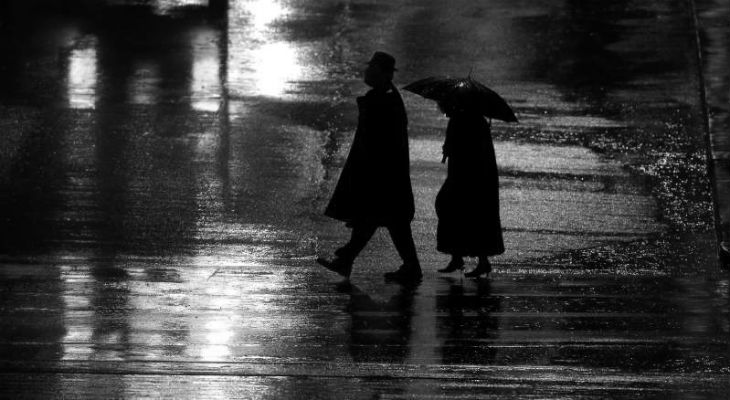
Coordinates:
275 64
162 7
214 352
79 334
82 78
259 62
264 12
219 333
205 85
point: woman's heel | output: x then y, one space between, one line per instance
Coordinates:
483 268
455 264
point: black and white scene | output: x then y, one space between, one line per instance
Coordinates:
365 199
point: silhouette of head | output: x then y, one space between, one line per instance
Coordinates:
457 105
379 72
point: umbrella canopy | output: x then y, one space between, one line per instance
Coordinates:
465 92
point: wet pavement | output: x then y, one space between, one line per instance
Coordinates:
164 166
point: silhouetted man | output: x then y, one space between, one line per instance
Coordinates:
374 188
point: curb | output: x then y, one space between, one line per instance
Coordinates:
723 251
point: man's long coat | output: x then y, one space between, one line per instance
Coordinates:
375 183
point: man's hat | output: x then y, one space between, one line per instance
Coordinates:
383 60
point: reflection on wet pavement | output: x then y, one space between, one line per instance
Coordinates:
164 165
135 321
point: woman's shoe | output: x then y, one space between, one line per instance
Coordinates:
483 268
454 265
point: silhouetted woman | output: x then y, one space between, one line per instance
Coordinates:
467 205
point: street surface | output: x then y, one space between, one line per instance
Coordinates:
164 167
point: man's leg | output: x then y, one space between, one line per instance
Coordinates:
403 240
359 238
345 255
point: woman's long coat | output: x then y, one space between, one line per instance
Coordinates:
375 183
467 205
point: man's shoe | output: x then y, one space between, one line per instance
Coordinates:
337 265
405 275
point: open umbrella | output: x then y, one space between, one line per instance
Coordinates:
465 91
